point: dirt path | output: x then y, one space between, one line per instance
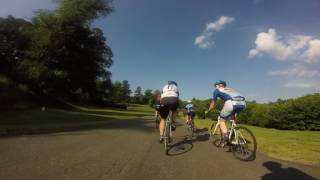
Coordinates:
130 150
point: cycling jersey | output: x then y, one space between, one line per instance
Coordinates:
227 94
189 107
234 101
170 90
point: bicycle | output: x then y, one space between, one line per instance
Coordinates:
157 120
157 117
167 134
190 126
243 142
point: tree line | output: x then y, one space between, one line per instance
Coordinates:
59 53
301 113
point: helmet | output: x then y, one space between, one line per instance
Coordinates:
172 82
189 101
221 82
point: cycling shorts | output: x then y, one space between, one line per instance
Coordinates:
168 103
191 114
230 108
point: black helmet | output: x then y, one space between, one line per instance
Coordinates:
221 82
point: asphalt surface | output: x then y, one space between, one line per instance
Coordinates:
130 150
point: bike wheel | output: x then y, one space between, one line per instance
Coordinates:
245 146
166 144
157 123
167 138
216 137
191 130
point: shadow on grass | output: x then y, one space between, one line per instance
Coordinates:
53 121
125 113
278 172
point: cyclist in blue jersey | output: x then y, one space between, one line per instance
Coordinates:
233 103
190 112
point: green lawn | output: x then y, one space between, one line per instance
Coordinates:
298 146
53 120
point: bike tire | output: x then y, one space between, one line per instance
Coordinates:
191 131
157 123
245 149
166 144
217 137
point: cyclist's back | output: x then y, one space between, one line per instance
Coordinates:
169 101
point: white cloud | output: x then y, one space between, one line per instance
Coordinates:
219 24
203 41
297 70
312 54
295 47
303 85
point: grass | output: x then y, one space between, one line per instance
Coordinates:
297 146
35 121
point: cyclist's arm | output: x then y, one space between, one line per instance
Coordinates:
212 105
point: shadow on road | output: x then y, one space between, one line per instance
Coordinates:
184 144
278 172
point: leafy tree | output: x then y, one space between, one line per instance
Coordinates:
138 97
155 94
75 54
14 44
126 90
147 97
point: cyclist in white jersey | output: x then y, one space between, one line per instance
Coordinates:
169 101
234 103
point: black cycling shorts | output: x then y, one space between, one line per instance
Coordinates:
191 114
168 103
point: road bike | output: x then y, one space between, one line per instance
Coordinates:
157 120
190 126
167 134
243 143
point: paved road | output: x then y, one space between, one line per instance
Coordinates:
130 150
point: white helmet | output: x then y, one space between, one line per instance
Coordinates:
189 101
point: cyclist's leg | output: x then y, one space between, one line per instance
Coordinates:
164 111
192 118
225 113
174 107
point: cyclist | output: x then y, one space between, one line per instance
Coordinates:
190 112
169 101
233 103
157 106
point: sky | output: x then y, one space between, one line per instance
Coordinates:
265 49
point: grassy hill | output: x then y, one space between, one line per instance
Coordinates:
35 121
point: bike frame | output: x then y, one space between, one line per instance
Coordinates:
167 130
232 130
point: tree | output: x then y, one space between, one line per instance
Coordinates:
14 45
126 91
147 96
75 54
152 101
138 97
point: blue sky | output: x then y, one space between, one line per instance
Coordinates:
265 49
